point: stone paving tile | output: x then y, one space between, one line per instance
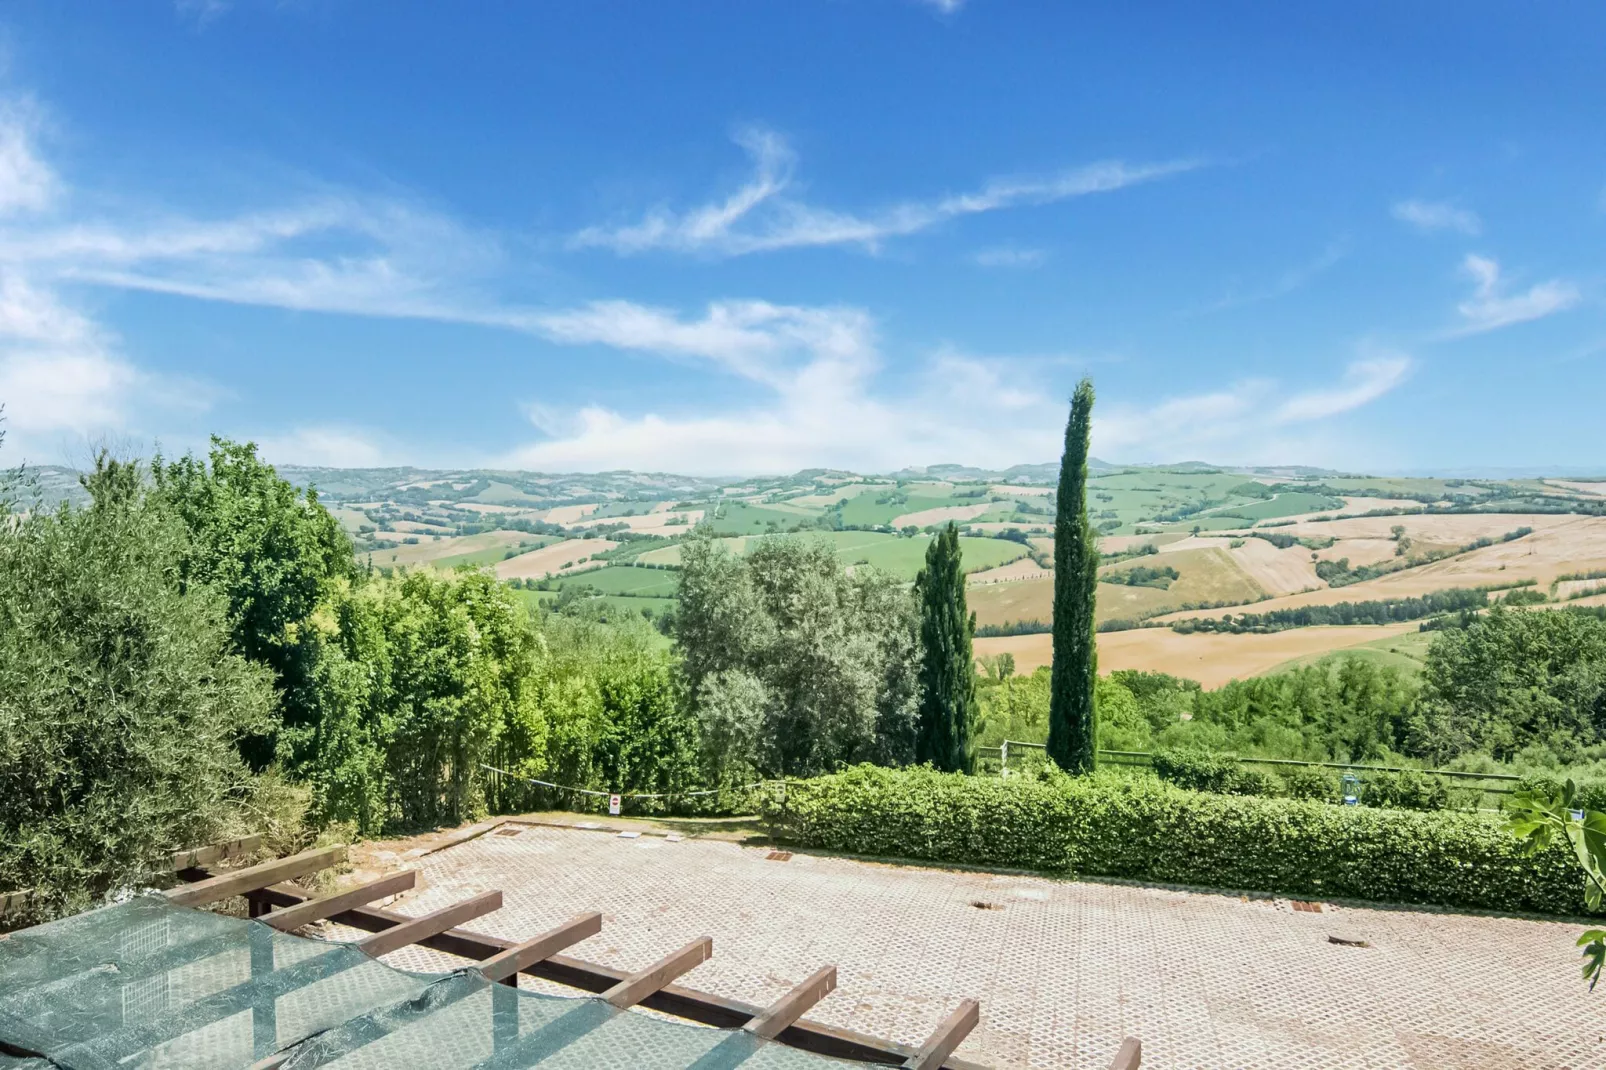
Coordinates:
1064 969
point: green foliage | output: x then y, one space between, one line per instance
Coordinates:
1160 577
274 553
836 654
946 714
1512 679
1197 770
1143 829
1378 611
1545 823
1345 710
1073 726
120 699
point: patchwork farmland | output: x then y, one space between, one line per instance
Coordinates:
1183 543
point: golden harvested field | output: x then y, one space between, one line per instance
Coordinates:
1024 569
1594 489
550 559
433 549
1208 574
1558 545
658 523
1276 571
1456 529
843 493
1212 660
1567 588
1359 551
570 514
942 515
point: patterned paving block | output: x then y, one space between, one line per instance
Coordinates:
1064 969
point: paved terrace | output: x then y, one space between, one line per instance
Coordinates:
1064 969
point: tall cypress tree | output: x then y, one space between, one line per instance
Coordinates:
1072 720
947 672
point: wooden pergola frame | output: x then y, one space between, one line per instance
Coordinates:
286 907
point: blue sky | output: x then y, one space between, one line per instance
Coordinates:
754 237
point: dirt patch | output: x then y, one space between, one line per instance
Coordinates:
551 559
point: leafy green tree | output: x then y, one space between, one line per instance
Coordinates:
120 698
273 552
835 655
1072 721
1512 680
420 679
947 712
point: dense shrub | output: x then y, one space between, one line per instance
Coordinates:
1144 829
120 700
1408 790
1197 770
1310 782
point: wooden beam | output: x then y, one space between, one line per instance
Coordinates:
638 986
317 909
510 962
254 877
205 856
12 900
946 1037
704 1008
416 929
794 1005
1130 1057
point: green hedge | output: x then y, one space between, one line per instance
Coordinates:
1144 829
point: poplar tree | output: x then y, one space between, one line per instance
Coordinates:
1072 720
947 714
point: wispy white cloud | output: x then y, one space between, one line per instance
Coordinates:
1009 256
1364 381
826 403
760 216
326 447
27 184
1251 421
1291 280
947 7
1437 215
1489 308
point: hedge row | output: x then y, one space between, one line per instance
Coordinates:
1145 829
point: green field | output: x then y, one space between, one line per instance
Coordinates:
1288 503
902 557
623 580
742 518
1406 653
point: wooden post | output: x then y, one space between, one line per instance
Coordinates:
638 986
947 1036
205 856
408 932
794 1005
253 877
318 909
507 964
